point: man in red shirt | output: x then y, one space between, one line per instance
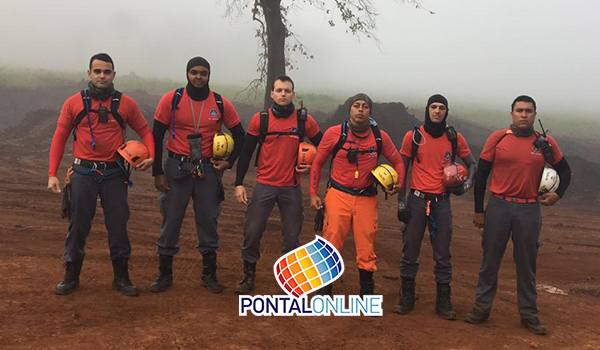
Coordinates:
98 132
192 116
278 131
431 147
351 198
517 155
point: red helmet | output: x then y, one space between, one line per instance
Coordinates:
306 153
454 174
134 152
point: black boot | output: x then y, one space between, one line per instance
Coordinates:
407 298
247 284
443 305
165 277
327 290
209 273
121 281
367 285
71 280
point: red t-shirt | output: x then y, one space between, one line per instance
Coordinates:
434 155
279 153
108 136
208 123
517 163
343 171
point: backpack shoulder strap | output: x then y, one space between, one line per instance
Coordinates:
85 99
301 119
264 128
341 141
377 134
114 108
264 125
220 105
452 137
416 141
174 105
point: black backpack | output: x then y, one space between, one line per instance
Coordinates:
87 109
450 133
301 118
177 98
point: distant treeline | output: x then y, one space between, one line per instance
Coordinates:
577 126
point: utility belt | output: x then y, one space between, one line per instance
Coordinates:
367 191
437 197
517 199
95 165
186 159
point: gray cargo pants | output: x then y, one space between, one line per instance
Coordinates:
522 222
264 197
206 195
412 236
113 198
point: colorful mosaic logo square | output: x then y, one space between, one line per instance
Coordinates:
309 267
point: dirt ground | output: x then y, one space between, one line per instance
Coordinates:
189 317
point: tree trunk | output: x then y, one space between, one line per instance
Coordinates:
276 34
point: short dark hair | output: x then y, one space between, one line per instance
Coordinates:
523 98
283 78
102 57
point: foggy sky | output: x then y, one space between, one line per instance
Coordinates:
486 52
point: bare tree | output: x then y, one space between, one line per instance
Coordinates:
278 41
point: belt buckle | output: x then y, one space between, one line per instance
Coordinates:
417 193
100 166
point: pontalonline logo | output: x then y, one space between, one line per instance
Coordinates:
308 269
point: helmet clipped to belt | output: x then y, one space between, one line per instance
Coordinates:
550 181
386 175
455 174
134 152
222 145
306 153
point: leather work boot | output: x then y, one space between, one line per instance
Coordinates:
71 280
476 316
534 325
443 304
407 298
247 284
165 277
209 273
367 285
121 282
327 290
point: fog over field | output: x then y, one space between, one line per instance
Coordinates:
481 53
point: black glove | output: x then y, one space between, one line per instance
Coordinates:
460 189
404 213
319 217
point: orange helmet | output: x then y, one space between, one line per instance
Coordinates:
134 152
306 153
454 174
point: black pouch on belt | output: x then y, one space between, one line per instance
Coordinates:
195 149
319 217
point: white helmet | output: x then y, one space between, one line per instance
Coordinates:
550 181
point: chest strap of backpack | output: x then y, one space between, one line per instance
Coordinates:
301 117
87 109
416 141
177 99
